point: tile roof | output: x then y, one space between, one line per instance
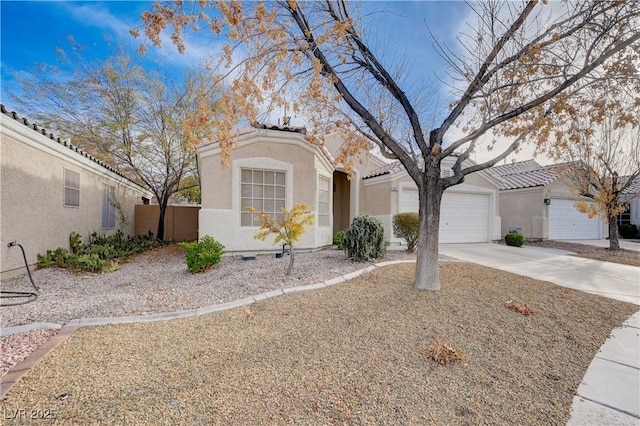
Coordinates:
506 169
542 176
57 139
389 169
634 188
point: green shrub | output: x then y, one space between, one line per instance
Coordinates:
337 239
364 239
513 239
100 255
202 254
407 227
627 230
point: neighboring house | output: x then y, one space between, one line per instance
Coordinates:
50 188
276 166
535 200
469 212
631 193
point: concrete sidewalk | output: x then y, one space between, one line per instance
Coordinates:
624 244
610 390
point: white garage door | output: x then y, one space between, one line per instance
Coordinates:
567 223
464 217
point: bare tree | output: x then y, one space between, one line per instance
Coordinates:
512 71
132 119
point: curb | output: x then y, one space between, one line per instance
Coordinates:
14 375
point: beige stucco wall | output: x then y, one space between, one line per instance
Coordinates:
382 198
32 195
525 209
302 162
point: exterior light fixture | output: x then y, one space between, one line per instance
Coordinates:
547 201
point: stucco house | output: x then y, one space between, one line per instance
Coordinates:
469 212
50 188
276 166
535 199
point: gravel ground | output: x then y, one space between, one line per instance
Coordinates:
353 353
156 282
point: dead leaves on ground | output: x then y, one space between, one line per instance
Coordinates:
442 353
521 308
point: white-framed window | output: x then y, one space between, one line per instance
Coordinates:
265 191
108 209
71 188
323 201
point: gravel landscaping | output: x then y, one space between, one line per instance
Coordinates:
156 282
353 353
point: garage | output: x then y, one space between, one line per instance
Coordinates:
567 223
464 217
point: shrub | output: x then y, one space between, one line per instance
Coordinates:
100 255
202 254
364 239
337 239
627 230
515 240
407 227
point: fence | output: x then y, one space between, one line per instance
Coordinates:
180 222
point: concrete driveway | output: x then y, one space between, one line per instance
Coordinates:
620 282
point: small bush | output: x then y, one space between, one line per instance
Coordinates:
202 254
627 230
100 255
407 227
337 239
364 239
515 240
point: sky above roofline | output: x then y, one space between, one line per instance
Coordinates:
35 32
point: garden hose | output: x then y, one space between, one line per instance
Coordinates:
24 296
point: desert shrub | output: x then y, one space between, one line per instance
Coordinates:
101 254
407 227
202 254
627 230
364 239
513 239
337 239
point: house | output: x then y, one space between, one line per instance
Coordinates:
271 168
50 188
632 194
535 200
469 212
276 166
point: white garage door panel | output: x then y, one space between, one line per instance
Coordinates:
567 223
464 217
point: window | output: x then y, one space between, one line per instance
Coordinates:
323 201
71 188
264 190
108 209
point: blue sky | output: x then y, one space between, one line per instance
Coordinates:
32 30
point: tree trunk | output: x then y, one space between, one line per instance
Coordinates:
430 198
290 268
614 244
163 209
